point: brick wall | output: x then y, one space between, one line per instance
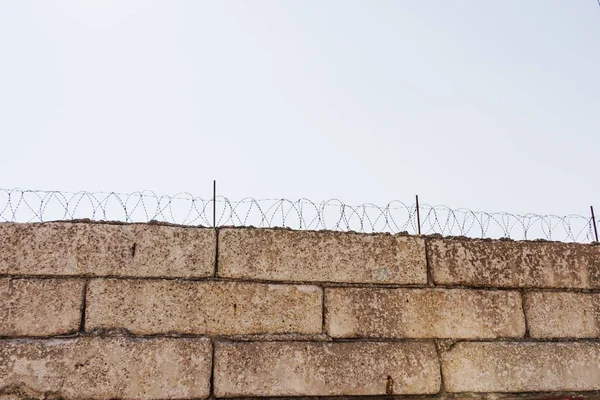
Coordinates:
150 311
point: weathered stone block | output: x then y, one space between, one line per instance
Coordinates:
563 315
40 307
105 249
279 255
325 369
216 308
108 368
423 313
498 263
522 367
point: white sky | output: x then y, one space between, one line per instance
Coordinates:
491 105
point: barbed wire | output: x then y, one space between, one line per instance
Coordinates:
18 205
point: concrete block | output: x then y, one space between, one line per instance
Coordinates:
216 308
108 368
94 249
40 307
496 263
423 313
280 255
563 315
522 367
257 369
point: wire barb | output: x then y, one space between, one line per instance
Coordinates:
184 209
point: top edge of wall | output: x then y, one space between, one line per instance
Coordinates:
286 229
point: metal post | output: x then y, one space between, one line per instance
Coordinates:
594 222
214 203
418 215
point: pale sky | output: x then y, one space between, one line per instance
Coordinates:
491 105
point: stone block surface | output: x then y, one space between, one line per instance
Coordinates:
40 307
563 315
95 249
279 255
216 308
496 263
423 313
108 368
325 369
522 367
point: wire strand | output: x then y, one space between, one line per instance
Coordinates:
18 205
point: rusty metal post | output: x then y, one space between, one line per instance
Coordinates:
214 203
418 215
594 222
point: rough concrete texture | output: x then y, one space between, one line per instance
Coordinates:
23 393
423 313
325 369
279 255
108 368
522 367
215 308
40 307
514 264
563 315
103 249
